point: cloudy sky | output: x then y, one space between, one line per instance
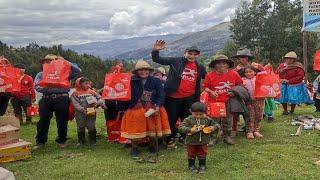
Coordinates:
80 21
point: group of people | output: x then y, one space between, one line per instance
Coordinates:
160 100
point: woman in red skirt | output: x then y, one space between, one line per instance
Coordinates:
146 116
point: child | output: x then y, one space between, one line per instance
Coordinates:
160 73
255 107
85 101
198 128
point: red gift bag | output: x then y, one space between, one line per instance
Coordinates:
71 112
204 97
33 111
267 85
117 86
316 61
10 79
56 74
217 110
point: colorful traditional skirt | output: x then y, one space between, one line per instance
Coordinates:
295 94
136 126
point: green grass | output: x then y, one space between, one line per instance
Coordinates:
277 156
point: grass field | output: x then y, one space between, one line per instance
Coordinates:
277 156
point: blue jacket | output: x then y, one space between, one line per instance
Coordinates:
152 89
75 71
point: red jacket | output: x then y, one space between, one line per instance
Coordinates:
293 73
27 88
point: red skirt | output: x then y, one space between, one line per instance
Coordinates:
136 126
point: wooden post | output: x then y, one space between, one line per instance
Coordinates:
305 55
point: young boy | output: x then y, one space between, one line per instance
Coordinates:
198 128
85 102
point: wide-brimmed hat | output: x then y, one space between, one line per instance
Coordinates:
142 64
192 48
160 70
291 55
49 57
221 57
244 53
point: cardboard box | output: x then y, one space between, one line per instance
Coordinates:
8 135
9 120
14 152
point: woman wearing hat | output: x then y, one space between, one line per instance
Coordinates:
4 96
218 83
145 116
293 89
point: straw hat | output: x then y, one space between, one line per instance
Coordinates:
244 52
291 55
221 57
161 70
142 64
49 57
3 60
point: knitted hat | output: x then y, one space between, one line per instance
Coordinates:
198 107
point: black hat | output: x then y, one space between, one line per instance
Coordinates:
198 107
192 48
20 66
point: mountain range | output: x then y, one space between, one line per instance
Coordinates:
209 41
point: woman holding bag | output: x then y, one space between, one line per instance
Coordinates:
146 116
293 89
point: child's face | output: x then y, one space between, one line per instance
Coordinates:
198 115
158 75
85 85
249 73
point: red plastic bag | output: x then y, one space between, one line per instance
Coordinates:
10 79
217 110
316 61
117 86
33 111
56 74
267 85
71 112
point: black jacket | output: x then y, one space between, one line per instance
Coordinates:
177 65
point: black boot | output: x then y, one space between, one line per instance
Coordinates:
192 166
92 137
202 166
81 138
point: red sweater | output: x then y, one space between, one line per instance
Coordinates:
221 83
27 88
293 73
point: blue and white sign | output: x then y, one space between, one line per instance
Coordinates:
311 15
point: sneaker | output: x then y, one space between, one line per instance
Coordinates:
258 135
134 153
38 146
250 136
202 169
172 144
228 140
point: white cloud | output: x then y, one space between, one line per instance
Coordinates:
80 21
